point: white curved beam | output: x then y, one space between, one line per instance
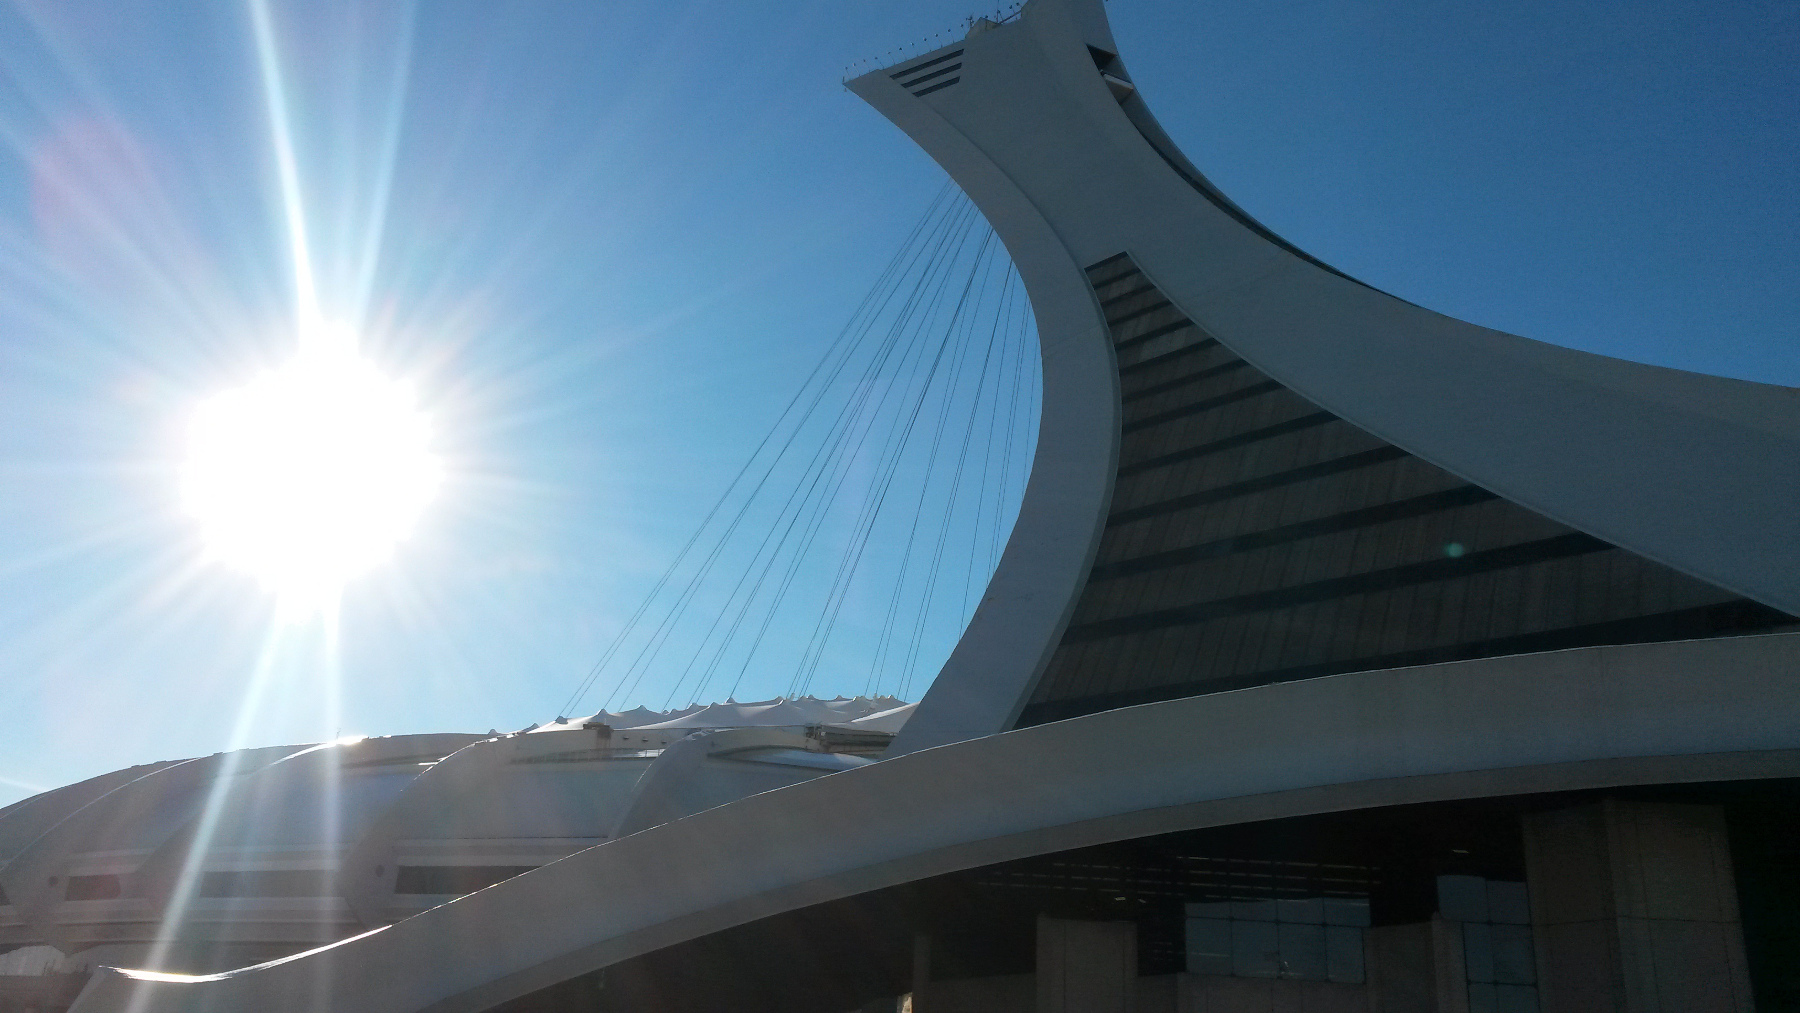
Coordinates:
315 772
1696 472
700 771
481 782
25 820
33 879
1721 709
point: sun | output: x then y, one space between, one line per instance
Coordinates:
310 474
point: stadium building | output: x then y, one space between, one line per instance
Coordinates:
1344 656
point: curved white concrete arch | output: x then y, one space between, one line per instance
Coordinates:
713 767
483 786
122 817
1069 175
294 790
1707 710
283 807
1697 472
540 797
25 820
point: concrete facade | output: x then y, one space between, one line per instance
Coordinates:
1178 335
1634 908
1700 711
1085 967
1041 126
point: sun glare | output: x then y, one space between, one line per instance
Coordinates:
310 474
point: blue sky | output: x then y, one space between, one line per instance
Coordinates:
604 241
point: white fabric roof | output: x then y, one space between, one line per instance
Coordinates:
779 711
888 720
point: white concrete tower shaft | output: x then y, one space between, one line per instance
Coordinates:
1038 122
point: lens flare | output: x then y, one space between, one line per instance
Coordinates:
310 474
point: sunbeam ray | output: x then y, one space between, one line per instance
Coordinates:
307 317
387 145
243 732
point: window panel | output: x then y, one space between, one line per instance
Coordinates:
1478 951
1302 949
1346 912
1255 950
1253 910
1515 999
1208 465
1513 962
1463 898
1301 910
1209 946
1344 953
1508 903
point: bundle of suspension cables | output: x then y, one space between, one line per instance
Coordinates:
856 540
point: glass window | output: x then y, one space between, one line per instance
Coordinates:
1302 951
1301 911
1253 910
1508 903
105 886
1513 963
1515 999
449 880
1344 954
1478 951
1210 909
1255 951
1289 938
1495 918
1208 945
1346 912
1463 898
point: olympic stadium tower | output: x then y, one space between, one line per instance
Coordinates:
1344 656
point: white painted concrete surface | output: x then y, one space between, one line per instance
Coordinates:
1692 711
1698 472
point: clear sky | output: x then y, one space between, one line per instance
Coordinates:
604 242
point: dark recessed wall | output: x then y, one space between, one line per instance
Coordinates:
1256 538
